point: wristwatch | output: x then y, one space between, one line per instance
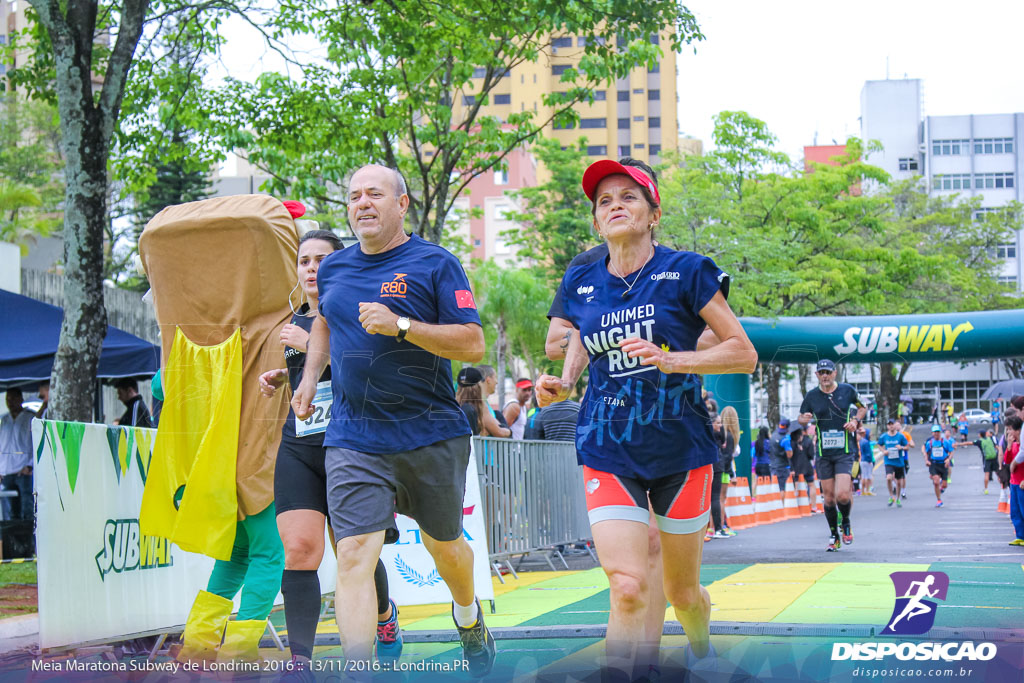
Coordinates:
403 327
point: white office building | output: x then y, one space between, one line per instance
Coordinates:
971 154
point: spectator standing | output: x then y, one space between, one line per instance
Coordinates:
717 476
136 413
556 422
16 456
489 385
759 452
780 454
731 424
44 395
1015 463
469 396
516 410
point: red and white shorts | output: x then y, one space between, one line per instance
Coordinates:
681 502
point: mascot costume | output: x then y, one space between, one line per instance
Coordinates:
220 271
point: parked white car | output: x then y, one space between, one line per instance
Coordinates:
977 416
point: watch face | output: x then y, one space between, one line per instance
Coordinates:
403 323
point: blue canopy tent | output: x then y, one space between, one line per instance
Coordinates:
30 330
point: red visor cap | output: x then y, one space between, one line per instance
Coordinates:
598 170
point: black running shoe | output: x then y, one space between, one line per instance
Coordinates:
477 644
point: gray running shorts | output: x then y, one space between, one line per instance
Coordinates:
428 484
830 465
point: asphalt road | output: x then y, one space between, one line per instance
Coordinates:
967 528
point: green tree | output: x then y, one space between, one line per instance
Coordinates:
82 54
31 186
555 223
404 84
513 303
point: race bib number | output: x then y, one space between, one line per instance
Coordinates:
317 422
938 454
833 439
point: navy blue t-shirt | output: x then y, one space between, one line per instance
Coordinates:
392 396
635 420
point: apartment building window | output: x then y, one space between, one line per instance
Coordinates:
654 69
654 39
638 145
567 125
1007 280
559 69
638 118
594 123
941 148
503 99
624 122
654 94
990 181
623 150
952 181
562 41
638 91
1006 251
908 164
623 96
654 122
600 95
469 100
980 212
501 177
479 72
993 146
654 150
597 150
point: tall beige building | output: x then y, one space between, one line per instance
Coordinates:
12 19
635 116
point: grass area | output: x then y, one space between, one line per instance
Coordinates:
22 572
18 589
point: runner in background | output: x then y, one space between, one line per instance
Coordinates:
937 452
838 411
906 454
867 462
962 426
300 482
893 446
986 443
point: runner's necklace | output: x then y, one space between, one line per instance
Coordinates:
629 287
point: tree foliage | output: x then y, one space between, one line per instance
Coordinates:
31 185
555 221
513 304
404 84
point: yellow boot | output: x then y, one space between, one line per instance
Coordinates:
242 640
204 628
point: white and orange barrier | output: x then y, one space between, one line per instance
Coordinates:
739 508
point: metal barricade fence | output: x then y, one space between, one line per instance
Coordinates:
533 497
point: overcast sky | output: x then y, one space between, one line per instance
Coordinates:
799 65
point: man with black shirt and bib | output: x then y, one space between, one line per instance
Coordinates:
838 412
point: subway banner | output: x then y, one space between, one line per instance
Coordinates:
412 576
892 338
99 578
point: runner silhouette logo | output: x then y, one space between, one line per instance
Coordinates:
916 592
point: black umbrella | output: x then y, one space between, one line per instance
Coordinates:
1005 389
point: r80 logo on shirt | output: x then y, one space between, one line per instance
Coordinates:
396 289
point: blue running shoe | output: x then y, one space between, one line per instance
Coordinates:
389 637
